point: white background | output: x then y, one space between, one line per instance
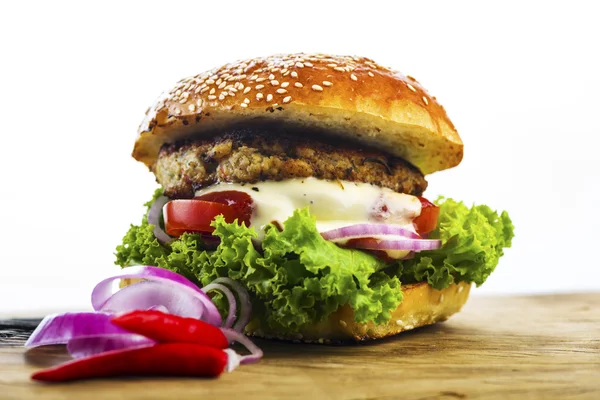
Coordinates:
520 81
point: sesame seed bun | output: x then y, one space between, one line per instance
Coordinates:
349 96
422 305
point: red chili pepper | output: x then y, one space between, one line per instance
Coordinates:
169 328
171 359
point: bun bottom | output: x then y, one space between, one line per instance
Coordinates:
422 305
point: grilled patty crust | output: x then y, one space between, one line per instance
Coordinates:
249 156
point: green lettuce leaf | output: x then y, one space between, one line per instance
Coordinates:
473 242
297 278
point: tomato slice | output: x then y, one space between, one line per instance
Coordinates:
427 221
194 215
240 202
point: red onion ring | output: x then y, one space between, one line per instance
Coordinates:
230 299
60 328
103 290
255 352
367 230
406 244
154 219
245 307
85 346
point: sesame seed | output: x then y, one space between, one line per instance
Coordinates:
298 84
243 105
214 77
294 74
308 64
258 87
275 82
192 107
240 77
371 74
340 69
281 91
285 84
299 65
212 91
210 81
247 89
253 77
259 96
183 100
261 79
317 88
332 65
218 82
411 87
269 97
284 71
178 93
247 101
274 69
221 97
287 99
212 97
178 111
425 100
460 289
353 77
204 89
399 322
271 77
327 83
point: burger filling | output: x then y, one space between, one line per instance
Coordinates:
308 226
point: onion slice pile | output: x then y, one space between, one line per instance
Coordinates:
89 333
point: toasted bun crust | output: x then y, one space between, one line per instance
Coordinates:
422 305
339 95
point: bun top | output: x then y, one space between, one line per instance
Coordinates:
352 97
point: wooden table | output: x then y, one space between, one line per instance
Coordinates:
521 347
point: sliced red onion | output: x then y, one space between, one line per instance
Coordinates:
146 294
367 230
179 285
154 219
85 346
406 244
60 328
230 299
245 307
255 352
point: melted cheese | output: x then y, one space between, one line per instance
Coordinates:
334 204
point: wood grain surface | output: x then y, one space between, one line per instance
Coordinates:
521 347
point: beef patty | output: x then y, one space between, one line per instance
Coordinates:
251 155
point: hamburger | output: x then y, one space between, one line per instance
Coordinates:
301 177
